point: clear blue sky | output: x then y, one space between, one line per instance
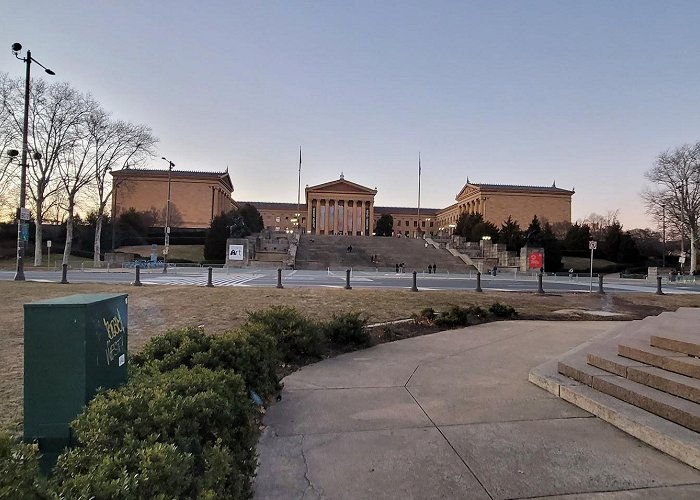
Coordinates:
520 92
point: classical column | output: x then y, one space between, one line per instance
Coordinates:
371 217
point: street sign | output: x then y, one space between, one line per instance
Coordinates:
593 245
165 251
681 260
24 231
48 243
24 214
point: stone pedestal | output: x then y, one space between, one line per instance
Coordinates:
237 252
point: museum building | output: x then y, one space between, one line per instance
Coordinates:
336 207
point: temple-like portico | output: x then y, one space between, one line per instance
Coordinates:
340 207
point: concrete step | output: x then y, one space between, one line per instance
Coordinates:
675 409
609 361
672 383
685 342
662 358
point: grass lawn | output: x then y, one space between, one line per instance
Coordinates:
154 309
583 265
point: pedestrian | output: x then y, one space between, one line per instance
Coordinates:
434 268
571 273
397 268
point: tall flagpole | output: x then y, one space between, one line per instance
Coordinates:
299 193
418 192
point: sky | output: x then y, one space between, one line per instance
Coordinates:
584 94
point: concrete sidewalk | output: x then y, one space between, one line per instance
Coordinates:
452 415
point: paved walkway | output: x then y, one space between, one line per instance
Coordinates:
452 415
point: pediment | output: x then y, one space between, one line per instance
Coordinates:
467 191
341 186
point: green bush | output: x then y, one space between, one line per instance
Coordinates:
502 311
249 351
462 316
348 330
19 470
187 432
298 338
173 349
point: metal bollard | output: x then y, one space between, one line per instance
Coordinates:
137 281
347 280
414 288
210 283
279 278
658 286
540 290
478 282
64 275
600 285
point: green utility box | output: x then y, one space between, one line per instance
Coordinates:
72 347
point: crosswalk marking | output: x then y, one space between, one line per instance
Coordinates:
235 280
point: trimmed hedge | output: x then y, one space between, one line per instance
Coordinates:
299 339
19 470
249 351
188 432
348 330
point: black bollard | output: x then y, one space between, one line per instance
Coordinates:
478 282
414 288
137 281
658 286
347 280
279 278
210 283
64 275
600 285
540 290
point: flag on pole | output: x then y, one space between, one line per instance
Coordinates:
299 158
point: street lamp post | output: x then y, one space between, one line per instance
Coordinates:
663 229
22 213
167 219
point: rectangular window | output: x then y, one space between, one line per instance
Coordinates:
399 224
415 223
277 219
422 223
431 224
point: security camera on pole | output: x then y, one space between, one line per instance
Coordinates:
593 245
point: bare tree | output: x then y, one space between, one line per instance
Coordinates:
55 114
675 192
9 139
74 169
598 223
117 144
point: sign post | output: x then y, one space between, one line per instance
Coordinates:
48 246
593 245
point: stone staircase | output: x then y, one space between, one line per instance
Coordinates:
330 251
644 378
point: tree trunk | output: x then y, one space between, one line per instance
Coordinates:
693 250
98 237
69 236
38 235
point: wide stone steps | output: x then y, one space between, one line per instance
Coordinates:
667 360
643 378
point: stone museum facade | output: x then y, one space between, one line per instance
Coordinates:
195 197
335 207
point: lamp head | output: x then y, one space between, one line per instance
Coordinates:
50 72
12 153
16 47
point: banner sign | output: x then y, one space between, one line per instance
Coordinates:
313 218
535 260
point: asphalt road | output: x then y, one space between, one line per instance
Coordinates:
358 279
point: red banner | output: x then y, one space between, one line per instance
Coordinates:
535 260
